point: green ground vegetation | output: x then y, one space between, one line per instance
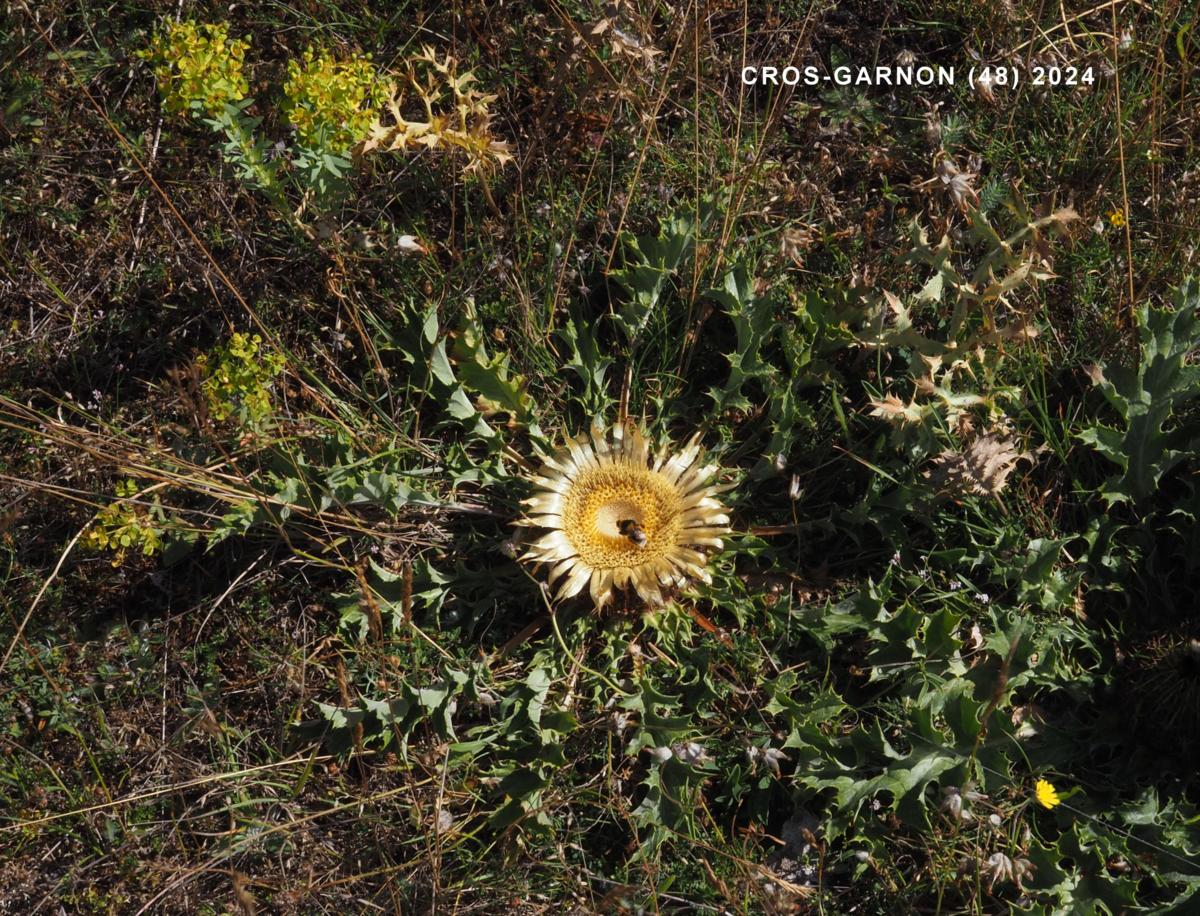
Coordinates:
291 294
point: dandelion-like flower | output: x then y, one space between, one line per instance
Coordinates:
618 516
1047 795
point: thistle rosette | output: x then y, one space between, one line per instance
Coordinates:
617 516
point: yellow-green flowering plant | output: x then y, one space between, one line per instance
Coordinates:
331 103
124 525
237 379
201 72
334 104
199 68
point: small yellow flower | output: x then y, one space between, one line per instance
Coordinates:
1117 218
1047 795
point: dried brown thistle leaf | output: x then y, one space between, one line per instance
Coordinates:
894 410
456 116
981 469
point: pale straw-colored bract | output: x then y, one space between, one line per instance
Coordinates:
617 516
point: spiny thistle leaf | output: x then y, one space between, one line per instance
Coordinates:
753 320
649 260
499 391
587 361
1146 395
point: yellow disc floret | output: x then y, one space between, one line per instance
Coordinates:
602 499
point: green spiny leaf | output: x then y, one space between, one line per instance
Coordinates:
1146 395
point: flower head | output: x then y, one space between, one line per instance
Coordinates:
1047 795
330 101
198 66
618 516
691 753
958 184
998 867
